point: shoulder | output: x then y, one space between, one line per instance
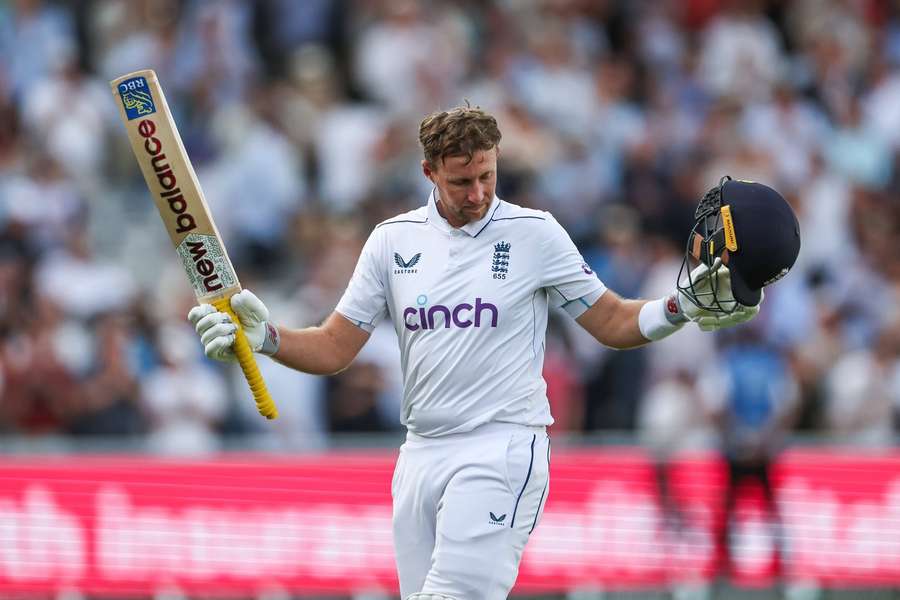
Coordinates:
402 225
532 222
507 211
405 220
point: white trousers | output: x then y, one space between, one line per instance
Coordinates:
464 506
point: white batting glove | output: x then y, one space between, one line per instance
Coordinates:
217 330
741 314
705 280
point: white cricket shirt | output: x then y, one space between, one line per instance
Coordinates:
469 306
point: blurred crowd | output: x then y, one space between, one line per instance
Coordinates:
301 120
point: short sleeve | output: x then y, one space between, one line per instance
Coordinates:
364 301
564 273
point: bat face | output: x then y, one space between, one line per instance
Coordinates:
176 191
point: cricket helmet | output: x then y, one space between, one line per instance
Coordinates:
753 231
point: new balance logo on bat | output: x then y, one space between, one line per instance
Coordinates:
184 221
406 266
495 520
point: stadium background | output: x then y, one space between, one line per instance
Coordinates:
301 120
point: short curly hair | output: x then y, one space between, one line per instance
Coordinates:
461 131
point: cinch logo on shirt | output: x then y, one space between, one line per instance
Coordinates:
462 315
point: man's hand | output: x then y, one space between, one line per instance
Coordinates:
718 321
711 285
217 330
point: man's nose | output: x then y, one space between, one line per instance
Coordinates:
476 192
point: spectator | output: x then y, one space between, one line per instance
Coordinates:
34 35
109 405
75 138
862 393
184 398
255 157
80 283
741 54
752 398
399 54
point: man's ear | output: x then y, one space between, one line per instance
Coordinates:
428 170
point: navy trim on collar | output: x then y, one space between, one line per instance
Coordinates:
491 219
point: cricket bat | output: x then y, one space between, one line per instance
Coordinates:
175 189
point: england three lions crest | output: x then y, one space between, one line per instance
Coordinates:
500 262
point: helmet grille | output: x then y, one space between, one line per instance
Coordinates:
708 227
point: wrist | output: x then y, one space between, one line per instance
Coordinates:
673 310
661 318
271 340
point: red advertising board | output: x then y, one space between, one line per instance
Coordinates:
321 524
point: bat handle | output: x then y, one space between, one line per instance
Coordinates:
264 402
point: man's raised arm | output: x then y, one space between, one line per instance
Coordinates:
323 350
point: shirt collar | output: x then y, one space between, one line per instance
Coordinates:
472 228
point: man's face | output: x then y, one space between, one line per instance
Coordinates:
465 190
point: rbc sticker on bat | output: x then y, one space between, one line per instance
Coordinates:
136 98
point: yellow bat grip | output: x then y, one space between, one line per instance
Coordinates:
264 402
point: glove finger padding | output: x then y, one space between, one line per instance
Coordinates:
699 272
714 323
220 348
249 309
198 312
211 320
218 330
741 314
711 287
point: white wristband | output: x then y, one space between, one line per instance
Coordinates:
660 318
